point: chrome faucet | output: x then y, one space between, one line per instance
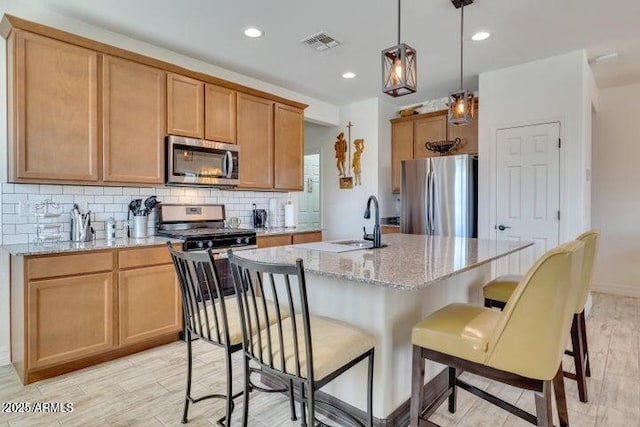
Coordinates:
375 237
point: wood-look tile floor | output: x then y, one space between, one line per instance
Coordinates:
146 389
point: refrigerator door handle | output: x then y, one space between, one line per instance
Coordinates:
430 201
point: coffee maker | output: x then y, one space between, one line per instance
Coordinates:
258 217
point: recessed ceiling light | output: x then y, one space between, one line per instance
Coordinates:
348 75
253 32
480 35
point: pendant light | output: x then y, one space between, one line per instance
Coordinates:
461 102
399 68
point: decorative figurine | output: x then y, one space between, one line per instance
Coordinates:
359 145
341 151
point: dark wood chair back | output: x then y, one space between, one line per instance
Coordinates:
205 314
268 291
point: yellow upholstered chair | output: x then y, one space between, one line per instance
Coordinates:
498 291
521 346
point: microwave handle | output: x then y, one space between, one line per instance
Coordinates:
228 164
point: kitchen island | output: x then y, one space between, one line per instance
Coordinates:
385 292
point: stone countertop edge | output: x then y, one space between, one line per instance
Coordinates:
281 230
29 249
260 254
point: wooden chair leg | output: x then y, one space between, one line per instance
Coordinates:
578 358
585 345
453 397
561 398
544 410
417 386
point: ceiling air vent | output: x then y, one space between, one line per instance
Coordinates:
321 41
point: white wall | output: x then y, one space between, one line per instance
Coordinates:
553 89
343 210
616 198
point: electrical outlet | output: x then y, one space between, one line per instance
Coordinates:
23 208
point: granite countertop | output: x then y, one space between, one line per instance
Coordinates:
408 262
281 230
94 245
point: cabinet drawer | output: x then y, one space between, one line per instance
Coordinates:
67 265
155 255
388 229
307 237
269 241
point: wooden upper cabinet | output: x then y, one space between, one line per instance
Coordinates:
428 129
185 106
219 114
255 138
468 135
288 148
133 122
401 149
53 110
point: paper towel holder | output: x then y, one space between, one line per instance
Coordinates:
289 221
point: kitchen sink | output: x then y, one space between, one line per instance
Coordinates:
355 243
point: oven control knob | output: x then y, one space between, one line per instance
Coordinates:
210 243
246 240
200 244
239 240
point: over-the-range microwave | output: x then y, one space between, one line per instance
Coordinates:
199 162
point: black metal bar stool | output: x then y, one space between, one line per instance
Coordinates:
309 351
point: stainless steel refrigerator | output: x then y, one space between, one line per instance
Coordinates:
440 196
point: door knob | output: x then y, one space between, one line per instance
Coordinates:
503 227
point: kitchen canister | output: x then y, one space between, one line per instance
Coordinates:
139 226
110 229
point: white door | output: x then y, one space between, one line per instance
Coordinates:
527 191
309 200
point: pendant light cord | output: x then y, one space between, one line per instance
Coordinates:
398 21
461 44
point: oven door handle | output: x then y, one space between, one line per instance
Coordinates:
227 167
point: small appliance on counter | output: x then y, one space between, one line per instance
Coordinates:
258 217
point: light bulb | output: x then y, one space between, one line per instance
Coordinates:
396 73
461 106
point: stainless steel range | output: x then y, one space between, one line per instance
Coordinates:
203 227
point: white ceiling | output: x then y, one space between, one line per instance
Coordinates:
522 30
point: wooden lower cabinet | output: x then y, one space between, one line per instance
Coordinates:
70 311
288 239
389 229
69 318
149 303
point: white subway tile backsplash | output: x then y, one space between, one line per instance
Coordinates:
104 199
113 202
26 188
92 191
72 189
50 189
8 208
13 198
112 191
11 239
